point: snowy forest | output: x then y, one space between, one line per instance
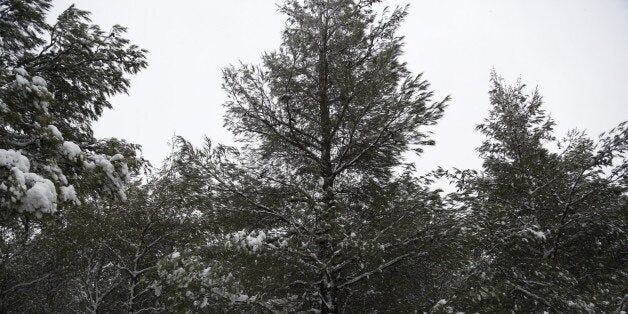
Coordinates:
317 208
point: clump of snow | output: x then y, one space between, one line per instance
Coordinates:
43 105
256 241
72 150
440 305
240 298
41 197
116 157
20 80
21 71
11 158
31 192
157 289
55 132
175 255
68 194
178 271
248 241
104 163
38 80
118 177
56 174
204 303
19 177
537 233
124 170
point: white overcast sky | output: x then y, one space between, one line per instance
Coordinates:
575 51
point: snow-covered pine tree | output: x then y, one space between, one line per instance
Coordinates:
550 215
54 82
319 200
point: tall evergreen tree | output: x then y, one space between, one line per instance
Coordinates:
319 198
550 219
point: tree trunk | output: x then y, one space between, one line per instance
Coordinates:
327 287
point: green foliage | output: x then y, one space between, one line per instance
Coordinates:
317 211
319 193
54 82
550 222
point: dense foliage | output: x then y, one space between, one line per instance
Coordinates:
550 216
317 209
54 82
